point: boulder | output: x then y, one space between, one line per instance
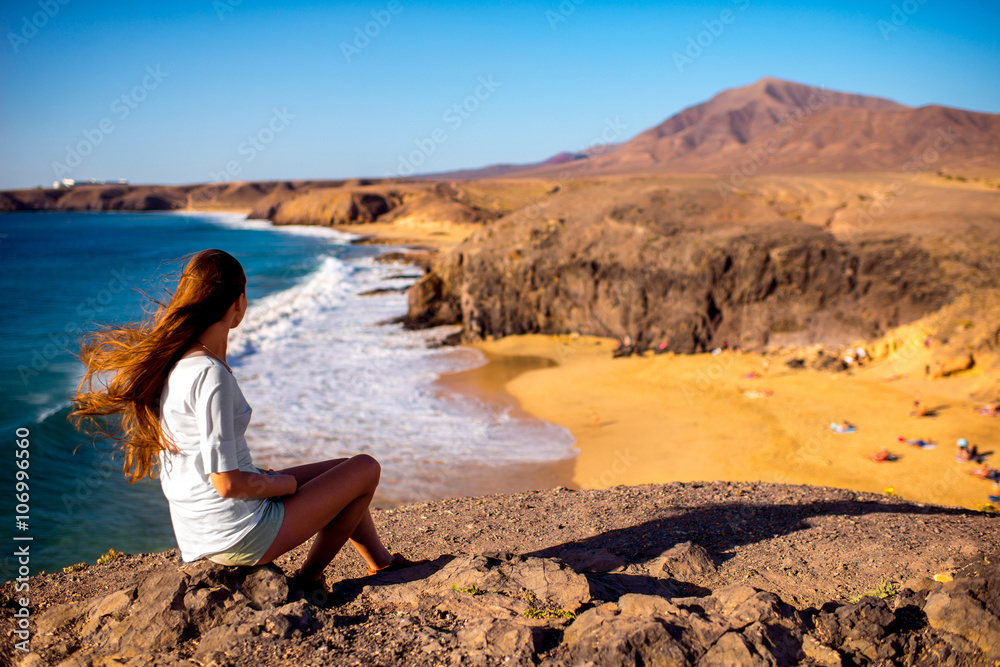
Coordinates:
549 581
684 562
952 366
960 613
602 636
499 638
591 560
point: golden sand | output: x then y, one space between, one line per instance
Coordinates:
661 418
441 236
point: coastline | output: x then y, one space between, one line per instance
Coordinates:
487 385
685 418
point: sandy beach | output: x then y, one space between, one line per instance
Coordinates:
700 417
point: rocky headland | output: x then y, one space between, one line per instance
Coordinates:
674 574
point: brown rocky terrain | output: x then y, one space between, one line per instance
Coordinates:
679 574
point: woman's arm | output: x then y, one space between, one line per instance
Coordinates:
239 484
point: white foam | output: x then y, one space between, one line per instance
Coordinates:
241 221
327 380
53 409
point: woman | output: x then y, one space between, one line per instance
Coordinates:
181 408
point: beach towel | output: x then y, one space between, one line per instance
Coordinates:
754 393
922 444
837 428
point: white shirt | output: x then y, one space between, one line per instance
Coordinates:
203 411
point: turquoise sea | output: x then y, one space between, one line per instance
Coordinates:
324 367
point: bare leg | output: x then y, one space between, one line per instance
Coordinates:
332 505
364 539
366 542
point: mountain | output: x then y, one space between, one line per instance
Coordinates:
780 126
501 170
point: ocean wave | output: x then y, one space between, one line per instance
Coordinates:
52 409
281 317
327 378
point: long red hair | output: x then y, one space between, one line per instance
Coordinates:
138 357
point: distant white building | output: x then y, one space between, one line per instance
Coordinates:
70 182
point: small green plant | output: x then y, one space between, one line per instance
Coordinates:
110 556
989 508
885 589
535 611
75 567
471 590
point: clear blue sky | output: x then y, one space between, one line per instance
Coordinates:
198 80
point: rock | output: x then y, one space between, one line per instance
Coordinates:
214 644
266 586
960 613
501 639
601 636
685 562
589 620
509 610
114 605
60 617
760 607
779 642
732 596
158 619
493 605
645 605
820 654
549 580
868 618
331 206
167 605
826 362
706 629
31 660
591 560
952 366
731 651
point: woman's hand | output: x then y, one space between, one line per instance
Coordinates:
246 485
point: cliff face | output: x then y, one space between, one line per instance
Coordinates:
690 290
682 267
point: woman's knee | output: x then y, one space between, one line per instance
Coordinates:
369 466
